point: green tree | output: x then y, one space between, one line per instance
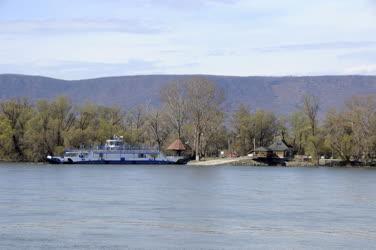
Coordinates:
110 122
16 113
299 131
339 134
40 133
244 129
361 113
6 134
265 126
84 131
62 120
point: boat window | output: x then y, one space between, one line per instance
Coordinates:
99 155
84 155
141 156
70 154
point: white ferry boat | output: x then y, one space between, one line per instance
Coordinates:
115 151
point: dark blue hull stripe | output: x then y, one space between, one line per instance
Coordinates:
128 162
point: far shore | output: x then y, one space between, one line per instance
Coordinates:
245 161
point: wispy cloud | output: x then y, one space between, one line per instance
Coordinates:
367 55
70 70
81 69
369 69
221 52
78 25
186 4
318 46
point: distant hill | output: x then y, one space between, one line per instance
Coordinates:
279 94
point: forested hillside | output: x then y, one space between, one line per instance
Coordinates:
278 94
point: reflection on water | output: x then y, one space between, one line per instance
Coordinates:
168 207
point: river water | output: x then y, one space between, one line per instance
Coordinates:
180 207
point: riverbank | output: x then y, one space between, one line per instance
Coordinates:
239 161
243 161
248 161
217 162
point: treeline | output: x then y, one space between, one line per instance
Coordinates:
195 112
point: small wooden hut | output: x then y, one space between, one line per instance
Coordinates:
263 152
281 149
177 146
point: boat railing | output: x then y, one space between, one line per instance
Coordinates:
121 149
125 147
131 151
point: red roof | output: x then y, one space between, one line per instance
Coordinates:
177 146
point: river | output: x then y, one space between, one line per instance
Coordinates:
180 207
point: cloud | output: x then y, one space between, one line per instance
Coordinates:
186 4
80 69
77 25
369 69
70 70
319 46
221 52
368 55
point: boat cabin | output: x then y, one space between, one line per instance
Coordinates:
114 144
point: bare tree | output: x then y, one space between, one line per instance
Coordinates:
158 127
311 109
135 124
204 101
174 99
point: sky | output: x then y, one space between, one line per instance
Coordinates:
77 39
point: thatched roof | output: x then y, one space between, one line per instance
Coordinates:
177 145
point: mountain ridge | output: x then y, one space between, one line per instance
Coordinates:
280 94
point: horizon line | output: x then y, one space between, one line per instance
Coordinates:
182 75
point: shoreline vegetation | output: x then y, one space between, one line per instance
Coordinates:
194 111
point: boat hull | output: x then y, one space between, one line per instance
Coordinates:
112 162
